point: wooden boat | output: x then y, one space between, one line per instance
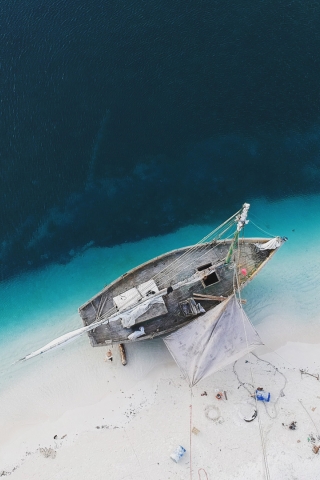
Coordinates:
167 292
175 289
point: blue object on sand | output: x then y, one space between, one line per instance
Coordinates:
262 395
180 451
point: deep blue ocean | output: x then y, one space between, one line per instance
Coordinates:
131 128
124 120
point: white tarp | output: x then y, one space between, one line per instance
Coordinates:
146 287
134 295
271 245
212 341
136 334
129 318
128 298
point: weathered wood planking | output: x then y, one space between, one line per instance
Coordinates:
102 303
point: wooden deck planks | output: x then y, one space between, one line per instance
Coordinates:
102 303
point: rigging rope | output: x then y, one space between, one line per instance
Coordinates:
173 266
188 263
315 426
243 384
190 435
251 373
281 392
185 257
190 442
200 242
237 292
204 473
167 274
259 228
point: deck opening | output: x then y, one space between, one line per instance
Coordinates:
203 267
210 279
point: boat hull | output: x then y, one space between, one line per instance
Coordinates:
181 274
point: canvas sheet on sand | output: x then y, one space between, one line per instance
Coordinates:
212 341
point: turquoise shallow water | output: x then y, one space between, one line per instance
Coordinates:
42 305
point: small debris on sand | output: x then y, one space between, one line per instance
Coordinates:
311 438
109 356
293 426
48 452
212 413
305 372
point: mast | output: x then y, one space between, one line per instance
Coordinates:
242 221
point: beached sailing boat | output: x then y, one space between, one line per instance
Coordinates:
190 291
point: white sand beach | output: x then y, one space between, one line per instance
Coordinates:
124 422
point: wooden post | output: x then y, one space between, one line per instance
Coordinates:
200 296
123 354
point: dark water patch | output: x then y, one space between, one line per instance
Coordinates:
162 193
121 120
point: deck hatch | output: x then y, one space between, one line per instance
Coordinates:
211 279
203 267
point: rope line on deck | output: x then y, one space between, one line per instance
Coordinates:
199 246
100 317
200 242
184 259
196 260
